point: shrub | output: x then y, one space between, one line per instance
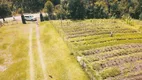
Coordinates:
127 18
49 8
20 10
46 18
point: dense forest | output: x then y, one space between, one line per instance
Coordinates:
74 9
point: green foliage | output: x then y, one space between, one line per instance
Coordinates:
55 2
90 11
77 9
110 72
80 9
46 18
30 5
20 10
127 18
60 12
48 8
99 12
27 5
4 11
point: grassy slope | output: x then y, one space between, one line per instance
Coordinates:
60 64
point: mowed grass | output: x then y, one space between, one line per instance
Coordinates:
14 52
61 65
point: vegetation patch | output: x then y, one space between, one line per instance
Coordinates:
110 72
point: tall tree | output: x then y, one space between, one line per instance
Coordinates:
77 9
49 8
4 11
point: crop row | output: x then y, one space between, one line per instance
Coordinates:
111 48
99 65
83 34
89 31
115 53
129 71
134 77
95 37
109 39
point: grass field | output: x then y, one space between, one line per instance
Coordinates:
31 52
107 49
14 52
60 64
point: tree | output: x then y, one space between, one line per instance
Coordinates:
108 5
77 9
90 11
55 2
49 8
4 11
27 5
60 12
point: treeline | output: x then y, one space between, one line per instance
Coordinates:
75 9
81 9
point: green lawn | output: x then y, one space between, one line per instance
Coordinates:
14 54
60 63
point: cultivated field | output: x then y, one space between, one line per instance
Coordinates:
106 49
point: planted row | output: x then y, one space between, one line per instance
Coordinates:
111 54
109 39
111 48
117 61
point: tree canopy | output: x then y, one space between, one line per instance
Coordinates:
77 9
80 9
